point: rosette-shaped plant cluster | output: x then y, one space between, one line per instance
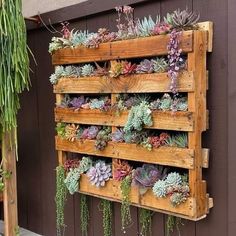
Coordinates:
102 138
77 102
71 164
175 186
160 65
145 177
99 174
118 136
161 28
145 66
158 141
90 132
182 19
121 169
87 70
71 132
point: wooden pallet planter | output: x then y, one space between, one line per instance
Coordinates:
180 121
137 83
193 81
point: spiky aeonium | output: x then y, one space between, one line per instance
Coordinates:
175 186
99 174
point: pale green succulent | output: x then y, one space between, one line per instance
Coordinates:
173 179
159 188
146 25
87 70
78 38
72 180
160 65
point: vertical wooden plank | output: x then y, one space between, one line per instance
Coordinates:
197 104
10 190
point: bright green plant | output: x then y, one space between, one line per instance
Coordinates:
84 214
145 219
60 200
125 187
172 223
106 207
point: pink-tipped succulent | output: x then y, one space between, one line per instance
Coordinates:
128 68
161 28
71 164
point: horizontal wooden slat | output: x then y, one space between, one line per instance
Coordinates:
170 156
167 120
140 47
112 192
137 83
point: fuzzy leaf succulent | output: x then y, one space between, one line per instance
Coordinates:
99 174
145 177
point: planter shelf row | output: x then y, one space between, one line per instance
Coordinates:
193 81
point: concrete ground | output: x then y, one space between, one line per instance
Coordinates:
23 232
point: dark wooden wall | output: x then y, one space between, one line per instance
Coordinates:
36 168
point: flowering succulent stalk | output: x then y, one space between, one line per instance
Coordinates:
174 59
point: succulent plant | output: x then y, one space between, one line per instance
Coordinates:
180 104
146 26
57 43
71 132
87 70
101 71
166 102
78 38
60 128
85 164
92 40
138 117
99 174
121 169
128 68
173 179
118 136
90 132
96 103
161 28
65 101
77 102
102 138
178 140
72 180
145 177
116 69
160 65
159 188
71 164
154 105
182 19
145 66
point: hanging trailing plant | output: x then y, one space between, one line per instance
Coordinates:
145 219
172 223
84 214
60 200
125 187
106 208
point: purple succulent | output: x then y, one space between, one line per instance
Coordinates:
145 177
90 133
118 136
99 174
174 59
77 102
145 66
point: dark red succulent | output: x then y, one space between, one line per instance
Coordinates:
71 164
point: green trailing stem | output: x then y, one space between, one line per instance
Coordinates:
145 220
84 214
125 187
106 207
173 223
60 200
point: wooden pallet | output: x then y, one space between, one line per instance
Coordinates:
193 81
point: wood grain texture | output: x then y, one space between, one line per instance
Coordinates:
132 48
112 192
167 120
137 83
170 156
10 188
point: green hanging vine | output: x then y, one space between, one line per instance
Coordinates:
125 187
172 223
60 200
14 70
106 207
145 220
84 214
